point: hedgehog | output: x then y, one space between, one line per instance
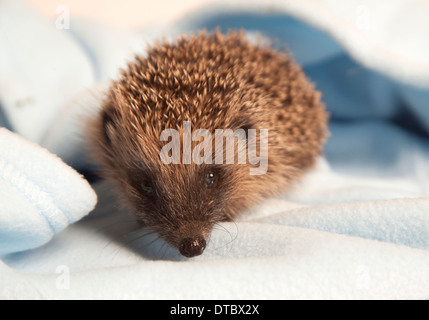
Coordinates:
208 80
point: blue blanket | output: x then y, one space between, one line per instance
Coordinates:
357 226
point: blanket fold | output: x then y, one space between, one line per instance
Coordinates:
357 226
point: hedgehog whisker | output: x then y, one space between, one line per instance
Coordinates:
129 245
165 247
147 233
232 238
146 245
114 224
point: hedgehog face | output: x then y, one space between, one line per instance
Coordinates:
182 203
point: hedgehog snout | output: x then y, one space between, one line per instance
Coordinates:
191 247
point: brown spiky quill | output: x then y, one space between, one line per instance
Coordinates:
215 81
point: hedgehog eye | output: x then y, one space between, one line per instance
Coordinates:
210 178
147 190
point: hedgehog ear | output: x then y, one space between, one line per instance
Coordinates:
246 127
108 125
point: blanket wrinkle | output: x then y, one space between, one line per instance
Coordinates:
41 200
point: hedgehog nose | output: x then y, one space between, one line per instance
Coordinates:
191 247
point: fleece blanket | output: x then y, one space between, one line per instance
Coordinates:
356 227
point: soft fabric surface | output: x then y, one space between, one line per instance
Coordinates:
40 194
357 226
